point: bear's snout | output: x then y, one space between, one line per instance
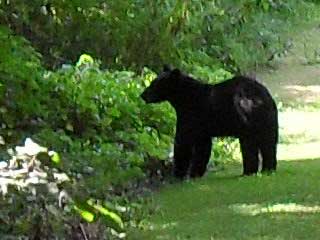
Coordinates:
149 97
145 97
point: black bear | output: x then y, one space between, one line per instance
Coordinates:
239 107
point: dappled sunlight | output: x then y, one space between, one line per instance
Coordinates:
25 169
298 122
147 226
299 135
309 88
257 209
307 94
168 225
204 188
303 151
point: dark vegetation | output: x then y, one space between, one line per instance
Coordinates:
87 109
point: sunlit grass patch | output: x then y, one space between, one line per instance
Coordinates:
256 209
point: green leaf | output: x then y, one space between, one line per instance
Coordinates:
111 218
84 213
84 59
69 127
55 157
265 5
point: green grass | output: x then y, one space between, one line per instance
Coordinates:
223 205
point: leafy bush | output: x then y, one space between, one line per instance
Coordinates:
20 83
94 118
32 181
98 115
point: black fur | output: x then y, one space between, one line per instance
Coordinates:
239 107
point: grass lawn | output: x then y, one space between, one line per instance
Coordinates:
222 205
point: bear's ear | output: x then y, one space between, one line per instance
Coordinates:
166 68
176 72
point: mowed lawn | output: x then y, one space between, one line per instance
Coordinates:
223 205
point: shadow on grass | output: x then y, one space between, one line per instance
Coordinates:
223 205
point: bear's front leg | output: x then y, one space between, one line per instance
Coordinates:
182 156
200 157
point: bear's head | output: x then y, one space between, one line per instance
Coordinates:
163 87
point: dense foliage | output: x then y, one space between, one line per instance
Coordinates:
240 34
89 110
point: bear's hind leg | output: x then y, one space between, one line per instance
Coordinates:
200 157
249 149
269 157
